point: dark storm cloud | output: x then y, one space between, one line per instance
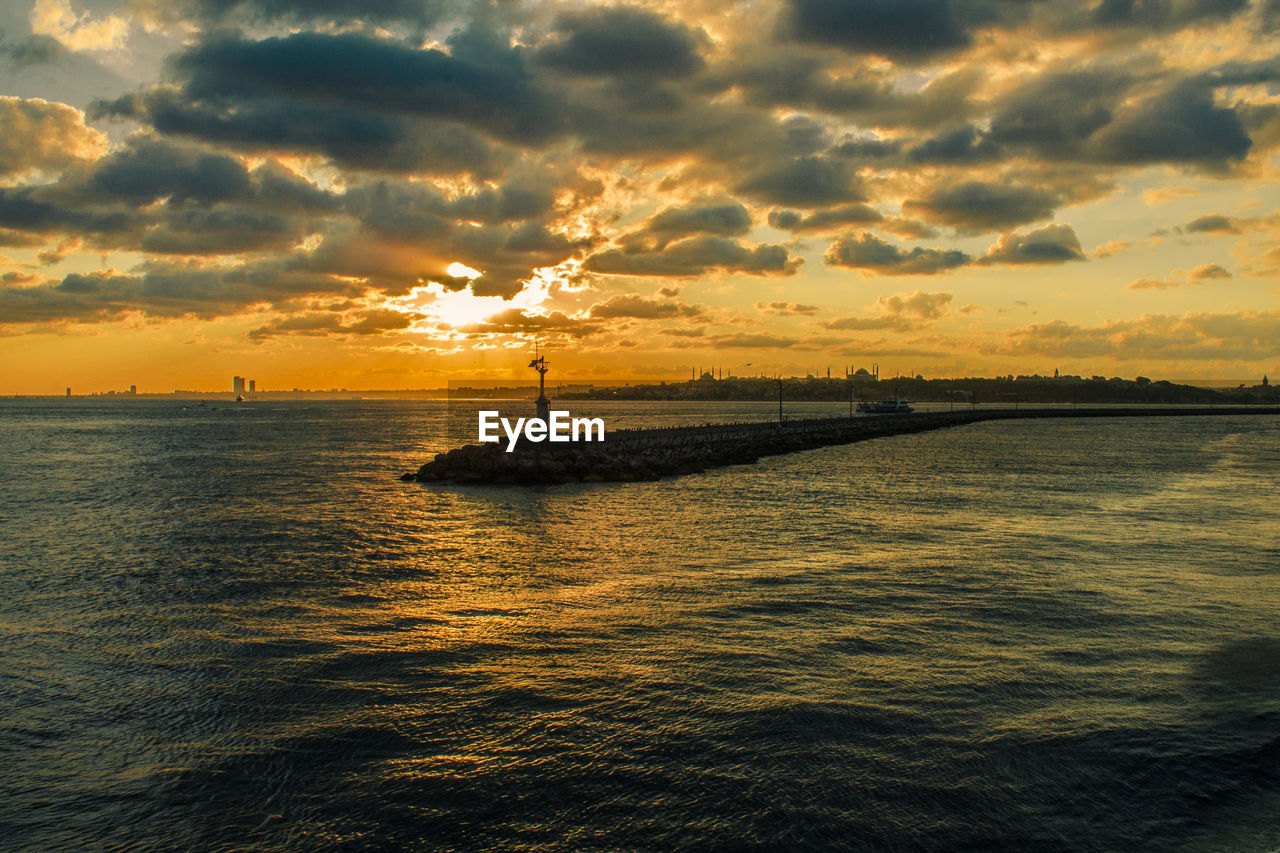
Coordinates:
620 41
1052 244
972 207
901 29
804 182
869 252
695 256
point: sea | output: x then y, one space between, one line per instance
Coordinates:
231 627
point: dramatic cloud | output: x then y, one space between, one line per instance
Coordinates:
900 312
1056 113
902 29
926 306
1112 247
516 321
1213 223
974 207
162 291
696 256
34 50
621 41
77 31
1192 337
44 136
962 145
825 220
746 340
423 12
366 102
1164 15
324 323
804 182
868 252
785 308
1199 275
634 306
673 223
318 170
1182 125
1206 272
1052 244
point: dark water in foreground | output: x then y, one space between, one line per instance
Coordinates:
233 629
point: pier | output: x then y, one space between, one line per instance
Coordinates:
631 455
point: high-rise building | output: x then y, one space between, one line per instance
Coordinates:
133 389
253 385
68 392
237 384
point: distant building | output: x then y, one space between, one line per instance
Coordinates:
253 385
133 389
68 392
237 384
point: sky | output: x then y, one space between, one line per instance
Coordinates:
406 193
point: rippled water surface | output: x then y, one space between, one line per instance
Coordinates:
232 628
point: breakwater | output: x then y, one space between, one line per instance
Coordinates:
649 454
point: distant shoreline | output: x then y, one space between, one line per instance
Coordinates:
1076 390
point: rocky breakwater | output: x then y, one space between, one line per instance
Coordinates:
649 454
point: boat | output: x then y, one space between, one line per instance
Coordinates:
886 407
239 398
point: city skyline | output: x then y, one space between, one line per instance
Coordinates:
417 196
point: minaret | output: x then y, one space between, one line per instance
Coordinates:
544 405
